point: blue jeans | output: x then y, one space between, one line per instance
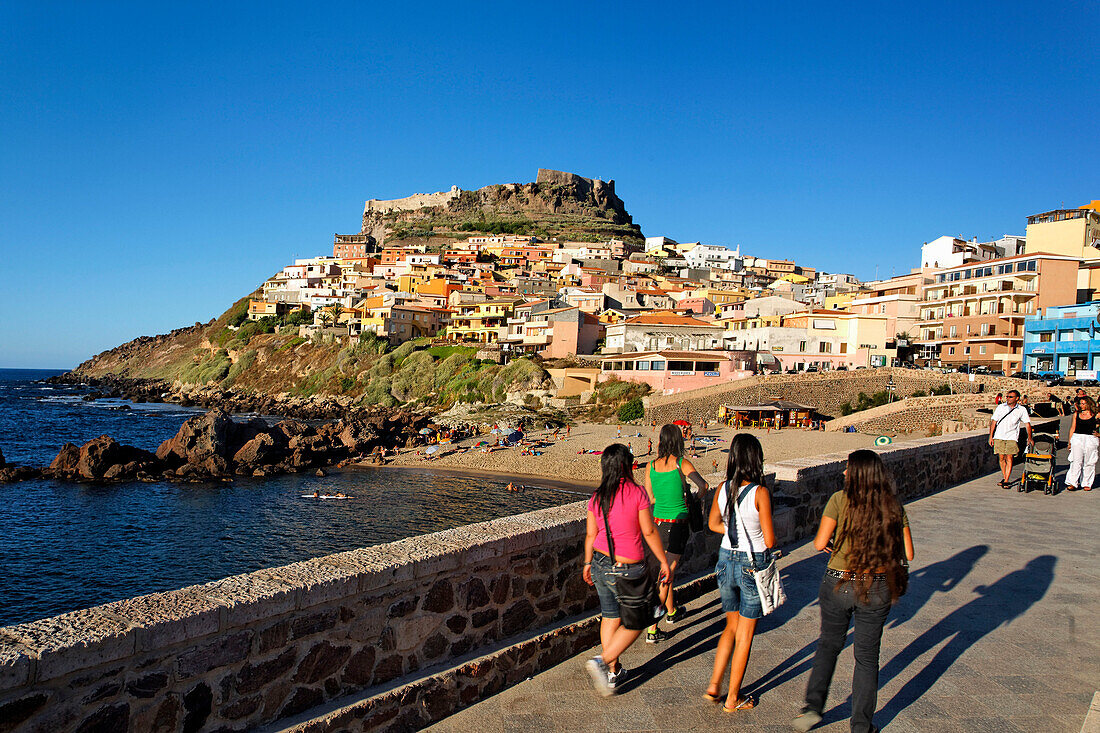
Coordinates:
604 572
736 586
839 605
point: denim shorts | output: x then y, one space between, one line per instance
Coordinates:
604 572
736 586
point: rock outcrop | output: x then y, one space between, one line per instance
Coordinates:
214 445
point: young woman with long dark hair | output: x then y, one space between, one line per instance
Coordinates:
1082 445
621 504
865 529
742 514
664 483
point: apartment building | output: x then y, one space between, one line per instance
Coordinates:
898 299
656 331
480 322
974 314
1063 338
947 251
1070 232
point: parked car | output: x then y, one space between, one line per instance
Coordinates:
811 369
1022 375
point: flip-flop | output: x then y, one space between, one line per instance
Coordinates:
712 698
745 703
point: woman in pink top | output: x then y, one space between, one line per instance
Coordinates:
627 509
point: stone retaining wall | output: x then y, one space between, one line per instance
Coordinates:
826 391
251 649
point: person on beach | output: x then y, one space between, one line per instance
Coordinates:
664 484
1083 443
866 532
742 514
1004 432
998 399
622 505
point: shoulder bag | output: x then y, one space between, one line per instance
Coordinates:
693 503
634 588
768 584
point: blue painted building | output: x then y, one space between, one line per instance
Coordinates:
1064 338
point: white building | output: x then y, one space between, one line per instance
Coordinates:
946 251
705 256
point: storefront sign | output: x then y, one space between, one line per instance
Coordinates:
715 374
682 374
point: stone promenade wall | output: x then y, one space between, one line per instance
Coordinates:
914 414
251 649
826 391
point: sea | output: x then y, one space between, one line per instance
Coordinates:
66 546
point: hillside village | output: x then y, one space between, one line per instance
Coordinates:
682 315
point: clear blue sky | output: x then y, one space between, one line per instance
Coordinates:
157 162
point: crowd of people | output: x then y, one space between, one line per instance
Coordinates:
864 529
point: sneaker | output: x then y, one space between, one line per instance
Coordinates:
676 615
614 678
655 636
659 612
805 720
601 676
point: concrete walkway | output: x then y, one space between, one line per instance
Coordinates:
997 633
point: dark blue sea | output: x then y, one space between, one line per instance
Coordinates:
65 546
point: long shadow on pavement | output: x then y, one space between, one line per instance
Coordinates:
997 605
939 577
687 643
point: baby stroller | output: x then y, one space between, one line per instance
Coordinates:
1039 465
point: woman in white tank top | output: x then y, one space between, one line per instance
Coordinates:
749 529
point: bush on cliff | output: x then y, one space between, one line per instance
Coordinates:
205 367
243 364
632 410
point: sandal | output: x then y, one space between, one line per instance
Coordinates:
712 698
745 703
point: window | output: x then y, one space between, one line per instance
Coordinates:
825 347
1045 337
801 346
968 329
657 366
966 351
844 347
951 350
643 366
954 331
981 349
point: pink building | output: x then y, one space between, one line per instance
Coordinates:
668 372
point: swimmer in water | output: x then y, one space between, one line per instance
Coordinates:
316 494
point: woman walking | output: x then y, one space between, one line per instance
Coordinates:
665 483
865 529
1083 446
742 514
618 505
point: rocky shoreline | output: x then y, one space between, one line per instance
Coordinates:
229 400
215 446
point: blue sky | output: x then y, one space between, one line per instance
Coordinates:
159 161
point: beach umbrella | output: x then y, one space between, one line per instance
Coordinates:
682 423
431 449
510 431
495 431
426 431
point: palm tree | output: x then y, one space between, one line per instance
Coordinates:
331 314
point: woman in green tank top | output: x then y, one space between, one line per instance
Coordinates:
664 482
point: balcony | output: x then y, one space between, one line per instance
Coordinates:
1041 325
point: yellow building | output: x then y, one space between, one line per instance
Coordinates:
1070 232
842 301
480 322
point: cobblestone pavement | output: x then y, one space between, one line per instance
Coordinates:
997 633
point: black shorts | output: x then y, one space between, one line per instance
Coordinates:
674 536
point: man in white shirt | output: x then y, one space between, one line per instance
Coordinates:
1004 432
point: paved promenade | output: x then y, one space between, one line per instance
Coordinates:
999 632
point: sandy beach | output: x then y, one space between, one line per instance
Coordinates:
562 458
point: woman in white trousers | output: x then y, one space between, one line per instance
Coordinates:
1082 446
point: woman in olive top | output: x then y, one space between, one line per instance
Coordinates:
865 529
664 482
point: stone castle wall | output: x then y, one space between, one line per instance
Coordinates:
251 649
411 203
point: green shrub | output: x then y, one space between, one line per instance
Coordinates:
942 390
347 383
632 410
293 343
243 364
206 367
846 409
298 318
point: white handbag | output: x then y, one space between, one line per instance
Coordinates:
768 584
